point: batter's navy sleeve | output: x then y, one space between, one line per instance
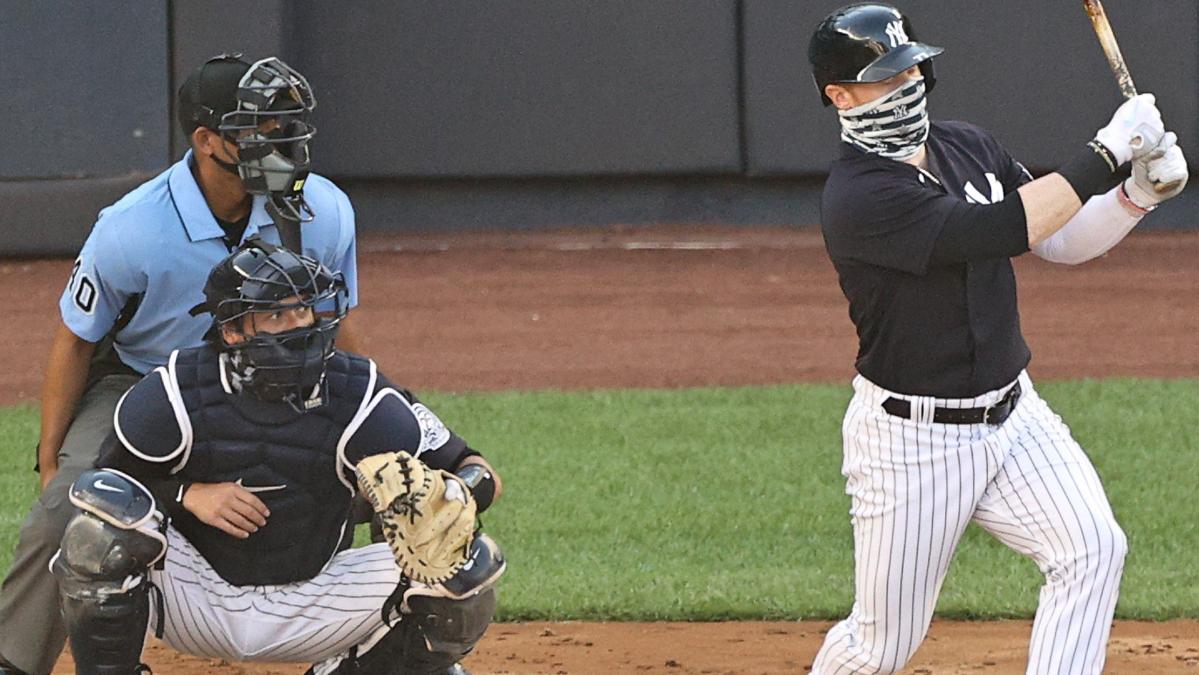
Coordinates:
891 215
884 220
987 232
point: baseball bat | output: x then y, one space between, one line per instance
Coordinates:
1111 49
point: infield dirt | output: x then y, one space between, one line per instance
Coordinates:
669 307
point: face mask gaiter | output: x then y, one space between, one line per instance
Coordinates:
893 125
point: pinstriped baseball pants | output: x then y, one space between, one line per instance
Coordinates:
915 485
304 622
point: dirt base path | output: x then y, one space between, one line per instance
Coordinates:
673 308
753 647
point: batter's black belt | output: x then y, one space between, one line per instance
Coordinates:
994 414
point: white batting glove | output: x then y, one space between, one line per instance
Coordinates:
1135 129
1159 175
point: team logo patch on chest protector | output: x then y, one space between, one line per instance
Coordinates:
434 432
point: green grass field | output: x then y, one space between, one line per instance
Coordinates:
727 503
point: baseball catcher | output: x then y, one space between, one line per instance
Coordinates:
218 514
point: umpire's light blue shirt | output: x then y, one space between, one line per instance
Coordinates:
160 241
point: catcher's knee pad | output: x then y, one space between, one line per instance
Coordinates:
102 566
439 624
432 635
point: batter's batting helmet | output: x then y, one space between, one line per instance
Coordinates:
260 277
867 43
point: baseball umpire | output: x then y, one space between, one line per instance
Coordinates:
126 305
920 220
251 447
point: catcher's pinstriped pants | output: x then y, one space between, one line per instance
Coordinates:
304 622
915 485
32 634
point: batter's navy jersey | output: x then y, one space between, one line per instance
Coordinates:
153 250
948 330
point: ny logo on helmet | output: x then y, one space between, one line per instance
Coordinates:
897 34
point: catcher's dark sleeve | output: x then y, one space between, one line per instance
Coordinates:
156 477
399 421
147 441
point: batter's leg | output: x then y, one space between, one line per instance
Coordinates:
913 489
32 634
1047 502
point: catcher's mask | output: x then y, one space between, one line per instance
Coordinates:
260 279
271 130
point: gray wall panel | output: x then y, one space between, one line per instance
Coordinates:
1032 72
82 86
53 217
528 87
201 30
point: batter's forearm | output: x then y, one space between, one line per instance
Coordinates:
1049 203
1098 226
66 375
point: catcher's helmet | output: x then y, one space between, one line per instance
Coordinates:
260 277
867 43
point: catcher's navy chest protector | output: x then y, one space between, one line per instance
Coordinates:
287 459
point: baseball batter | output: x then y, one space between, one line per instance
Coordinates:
945 427
126 304
251 449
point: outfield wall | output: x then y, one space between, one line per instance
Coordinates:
466 114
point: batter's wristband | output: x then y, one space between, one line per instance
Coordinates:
1090 172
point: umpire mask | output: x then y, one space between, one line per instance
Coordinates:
271 130
893 125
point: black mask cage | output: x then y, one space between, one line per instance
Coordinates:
261 278
271 130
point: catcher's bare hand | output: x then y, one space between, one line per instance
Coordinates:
228 507
428 515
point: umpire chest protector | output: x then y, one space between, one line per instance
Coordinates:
287 459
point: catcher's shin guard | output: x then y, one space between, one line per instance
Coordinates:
107 550
438 625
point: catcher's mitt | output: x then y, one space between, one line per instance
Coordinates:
428 515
